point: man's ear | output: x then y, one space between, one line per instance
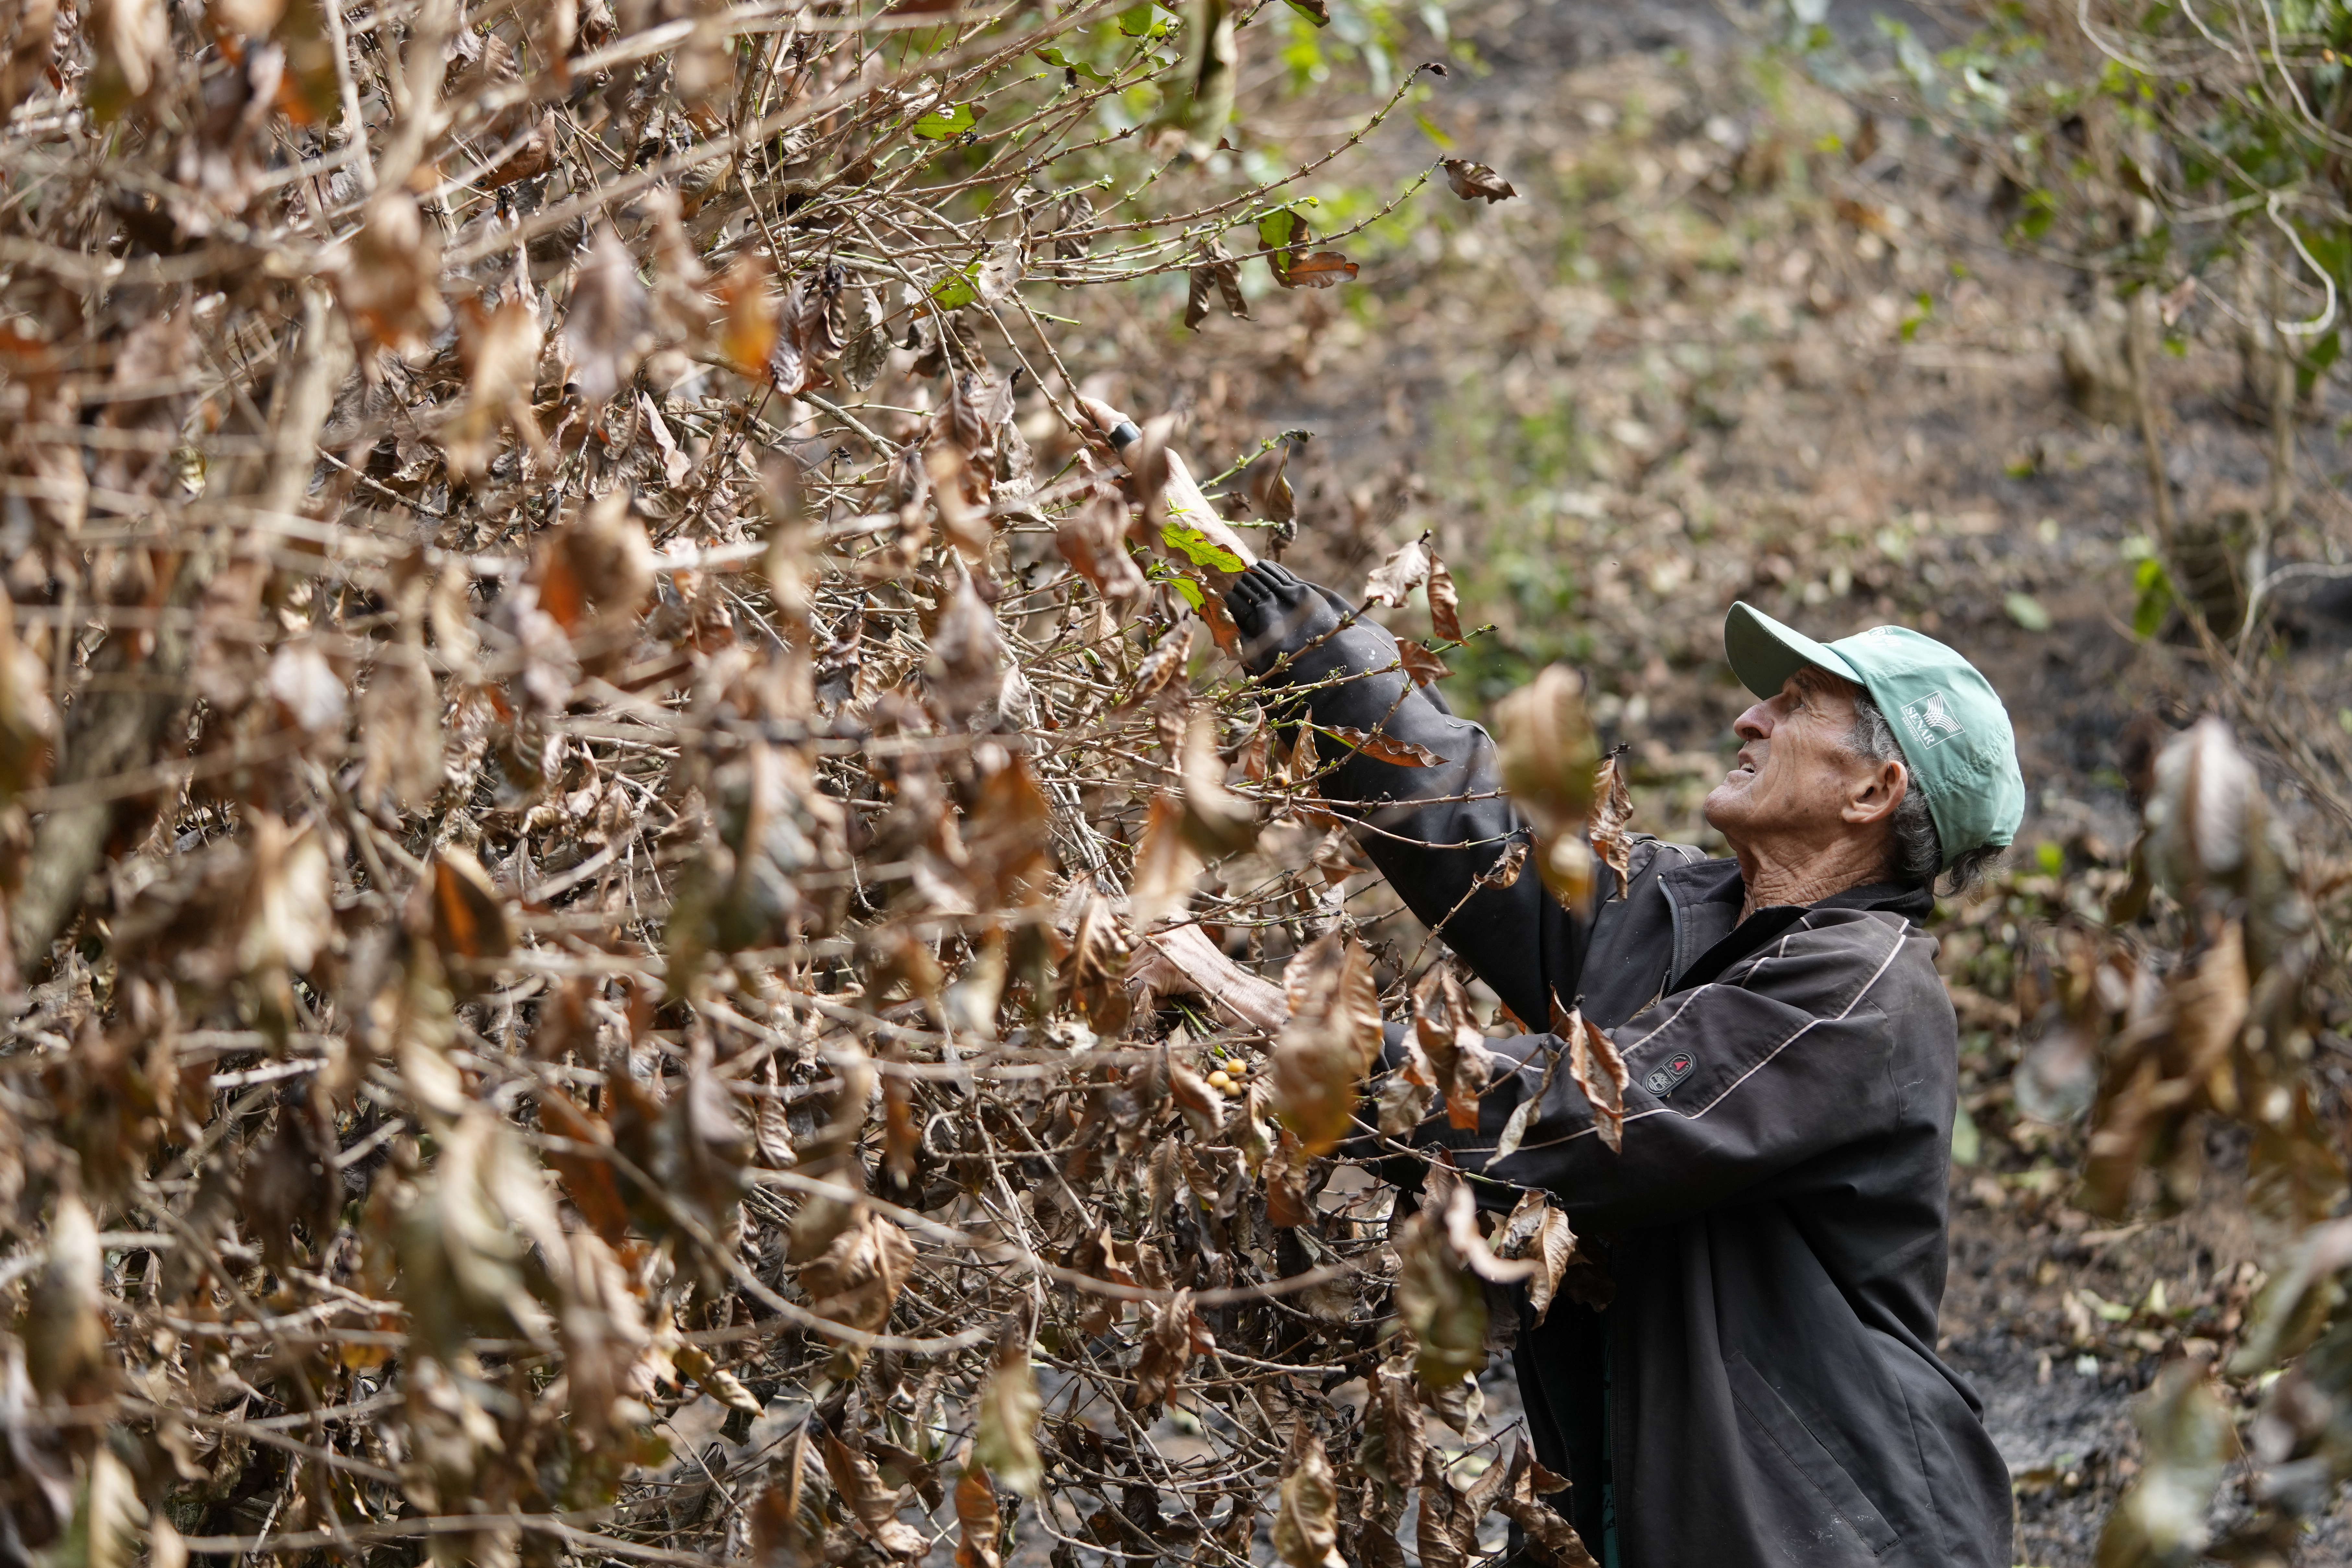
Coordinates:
1876 794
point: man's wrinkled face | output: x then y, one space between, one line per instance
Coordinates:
1796 775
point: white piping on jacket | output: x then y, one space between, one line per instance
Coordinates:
1780 950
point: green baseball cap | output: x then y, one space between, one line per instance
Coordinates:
1954 731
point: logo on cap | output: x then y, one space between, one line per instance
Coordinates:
1929 720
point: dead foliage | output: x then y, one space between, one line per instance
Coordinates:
638 926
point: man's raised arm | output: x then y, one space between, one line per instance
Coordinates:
1435 832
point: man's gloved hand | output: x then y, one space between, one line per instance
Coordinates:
1278 614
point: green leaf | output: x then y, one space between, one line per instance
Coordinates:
1315 11
2156 597
1195 545
1922 307
1968 1144
1428 129
2315 365
1285 232
2041 211
1138 22
957 290
1080 67
2027 612
941 124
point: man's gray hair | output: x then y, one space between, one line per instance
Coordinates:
1917 849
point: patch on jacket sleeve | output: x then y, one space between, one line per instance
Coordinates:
1662 1078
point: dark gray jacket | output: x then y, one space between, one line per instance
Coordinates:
1775 1225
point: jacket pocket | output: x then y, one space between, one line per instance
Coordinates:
1770 1418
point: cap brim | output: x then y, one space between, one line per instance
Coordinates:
1764 653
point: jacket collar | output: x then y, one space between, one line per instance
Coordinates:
1705 896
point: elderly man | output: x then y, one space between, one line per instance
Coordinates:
1763 1385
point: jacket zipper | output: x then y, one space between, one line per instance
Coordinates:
1675 955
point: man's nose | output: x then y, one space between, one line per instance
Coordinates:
1755 725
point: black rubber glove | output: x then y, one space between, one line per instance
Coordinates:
1278 614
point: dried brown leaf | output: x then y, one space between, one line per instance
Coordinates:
1201 1104
1320 270
1449 1054
1217 277
469 918
132 43
867 350
1551 1540
609 327
288 914
1599 1070
1612 814
856 1279
1172 1331
1161 665
2206 813
748 320
1093 540
64 1324
588 1179
1440 1301
26 42
1395 1417
1394 579
1197 964
1446 1534
1004 1437
2186 1440
501 350
400 733
1458 1211
1539 1233
1306 1507
977 1519
873 1508
390 288
966 668
595 572
1382 746
1523 1115
1332 1040
308 692
1424 667
1444 600
1549 754
1216 822
1007 832
1166 865
606 1346
1475 182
